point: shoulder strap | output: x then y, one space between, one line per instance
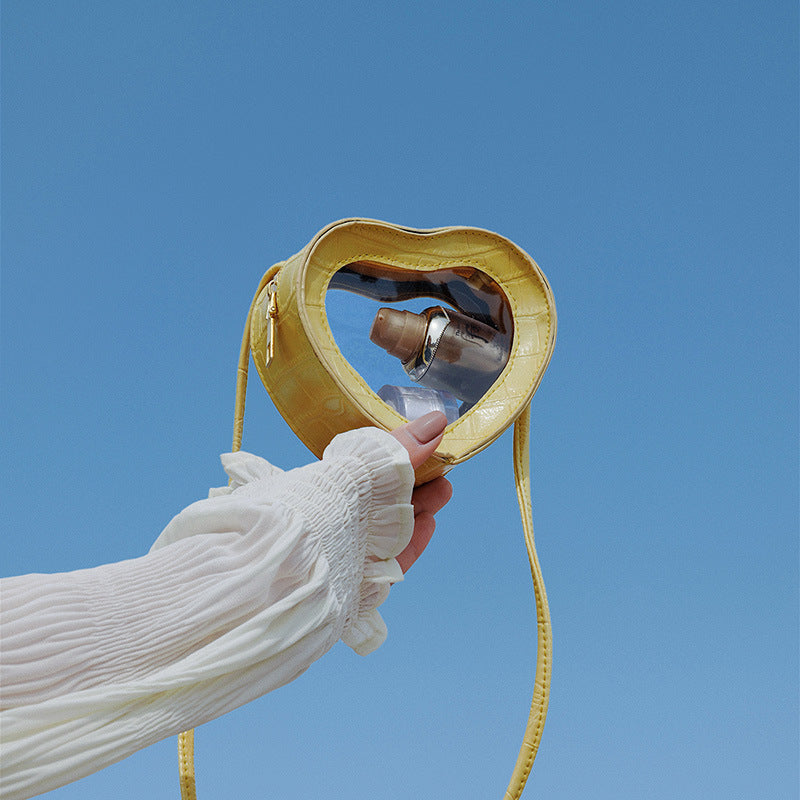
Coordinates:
544 655
186 739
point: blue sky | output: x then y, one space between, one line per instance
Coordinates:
157 157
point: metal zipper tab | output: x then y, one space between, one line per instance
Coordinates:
272 314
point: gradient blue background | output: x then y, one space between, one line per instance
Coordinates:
157 157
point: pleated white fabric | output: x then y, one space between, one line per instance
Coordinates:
239 595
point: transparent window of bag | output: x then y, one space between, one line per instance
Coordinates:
423 341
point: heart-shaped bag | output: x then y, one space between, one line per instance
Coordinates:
481 275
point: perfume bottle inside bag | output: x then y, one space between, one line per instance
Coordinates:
443 350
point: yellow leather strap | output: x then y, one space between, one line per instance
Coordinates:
186 764
186 739
244 363
544 655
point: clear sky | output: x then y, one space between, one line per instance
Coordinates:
157 157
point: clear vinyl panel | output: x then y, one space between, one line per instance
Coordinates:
423 341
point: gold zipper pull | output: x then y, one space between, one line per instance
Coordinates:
272 313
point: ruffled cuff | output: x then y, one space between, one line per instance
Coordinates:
357 506
377 465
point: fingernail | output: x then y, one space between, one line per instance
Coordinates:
426 428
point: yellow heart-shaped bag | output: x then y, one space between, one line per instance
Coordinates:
320 394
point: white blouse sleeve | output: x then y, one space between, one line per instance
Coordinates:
238 596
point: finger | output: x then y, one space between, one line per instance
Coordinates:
422 436
432 496
424 525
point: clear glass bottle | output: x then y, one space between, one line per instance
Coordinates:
416 401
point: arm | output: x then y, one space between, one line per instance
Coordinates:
241 593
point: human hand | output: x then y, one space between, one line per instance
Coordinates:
421 438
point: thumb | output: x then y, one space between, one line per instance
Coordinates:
422 436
